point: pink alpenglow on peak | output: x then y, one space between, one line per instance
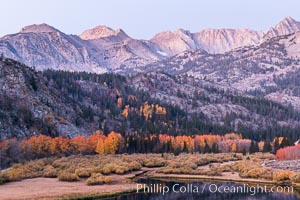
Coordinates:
287 26
38 28
102 32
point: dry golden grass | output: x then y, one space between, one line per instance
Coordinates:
31 169
153 162
205 159
252 169
261 156
258 173
189 163
212 165
80 166
74 167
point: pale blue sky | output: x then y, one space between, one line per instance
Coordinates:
143 18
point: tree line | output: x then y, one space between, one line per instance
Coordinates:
13 150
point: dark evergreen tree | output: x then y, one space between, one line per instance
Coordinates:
185 149
244 152
253 147
206 148
267 147
176 152
276 145
285 142
215 148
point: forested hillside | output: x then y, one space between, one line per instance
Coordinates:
71 103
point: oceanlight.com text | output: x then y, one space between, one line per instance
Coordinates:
212 188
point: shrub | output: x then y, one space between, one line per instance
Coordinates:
177 170
267 174
69 177
263 156
155 162
107 179
61 163
3 178
165 170
257 172
282 175
244 166
31 169
213 172
83 173
121 170
50 172
226 168
295 178
106 170
190 165
97 169
15 174
71 169
134 166
98 179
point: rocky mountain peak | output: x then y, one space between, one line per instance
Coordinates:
101 32
174 42
210 40
38 28
223 40
286 26
288 20
183 31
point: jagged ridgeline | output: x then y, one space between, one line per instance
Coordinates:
71 103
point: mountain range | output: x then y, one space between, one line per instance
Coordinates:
102 49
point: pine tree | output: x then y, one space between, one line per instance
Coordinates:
206 148
244 152
253 147
176 152
276 145
215 148
185 149
267 147
285 142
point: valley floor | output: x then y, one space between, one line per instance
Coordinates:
52 188
205 167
